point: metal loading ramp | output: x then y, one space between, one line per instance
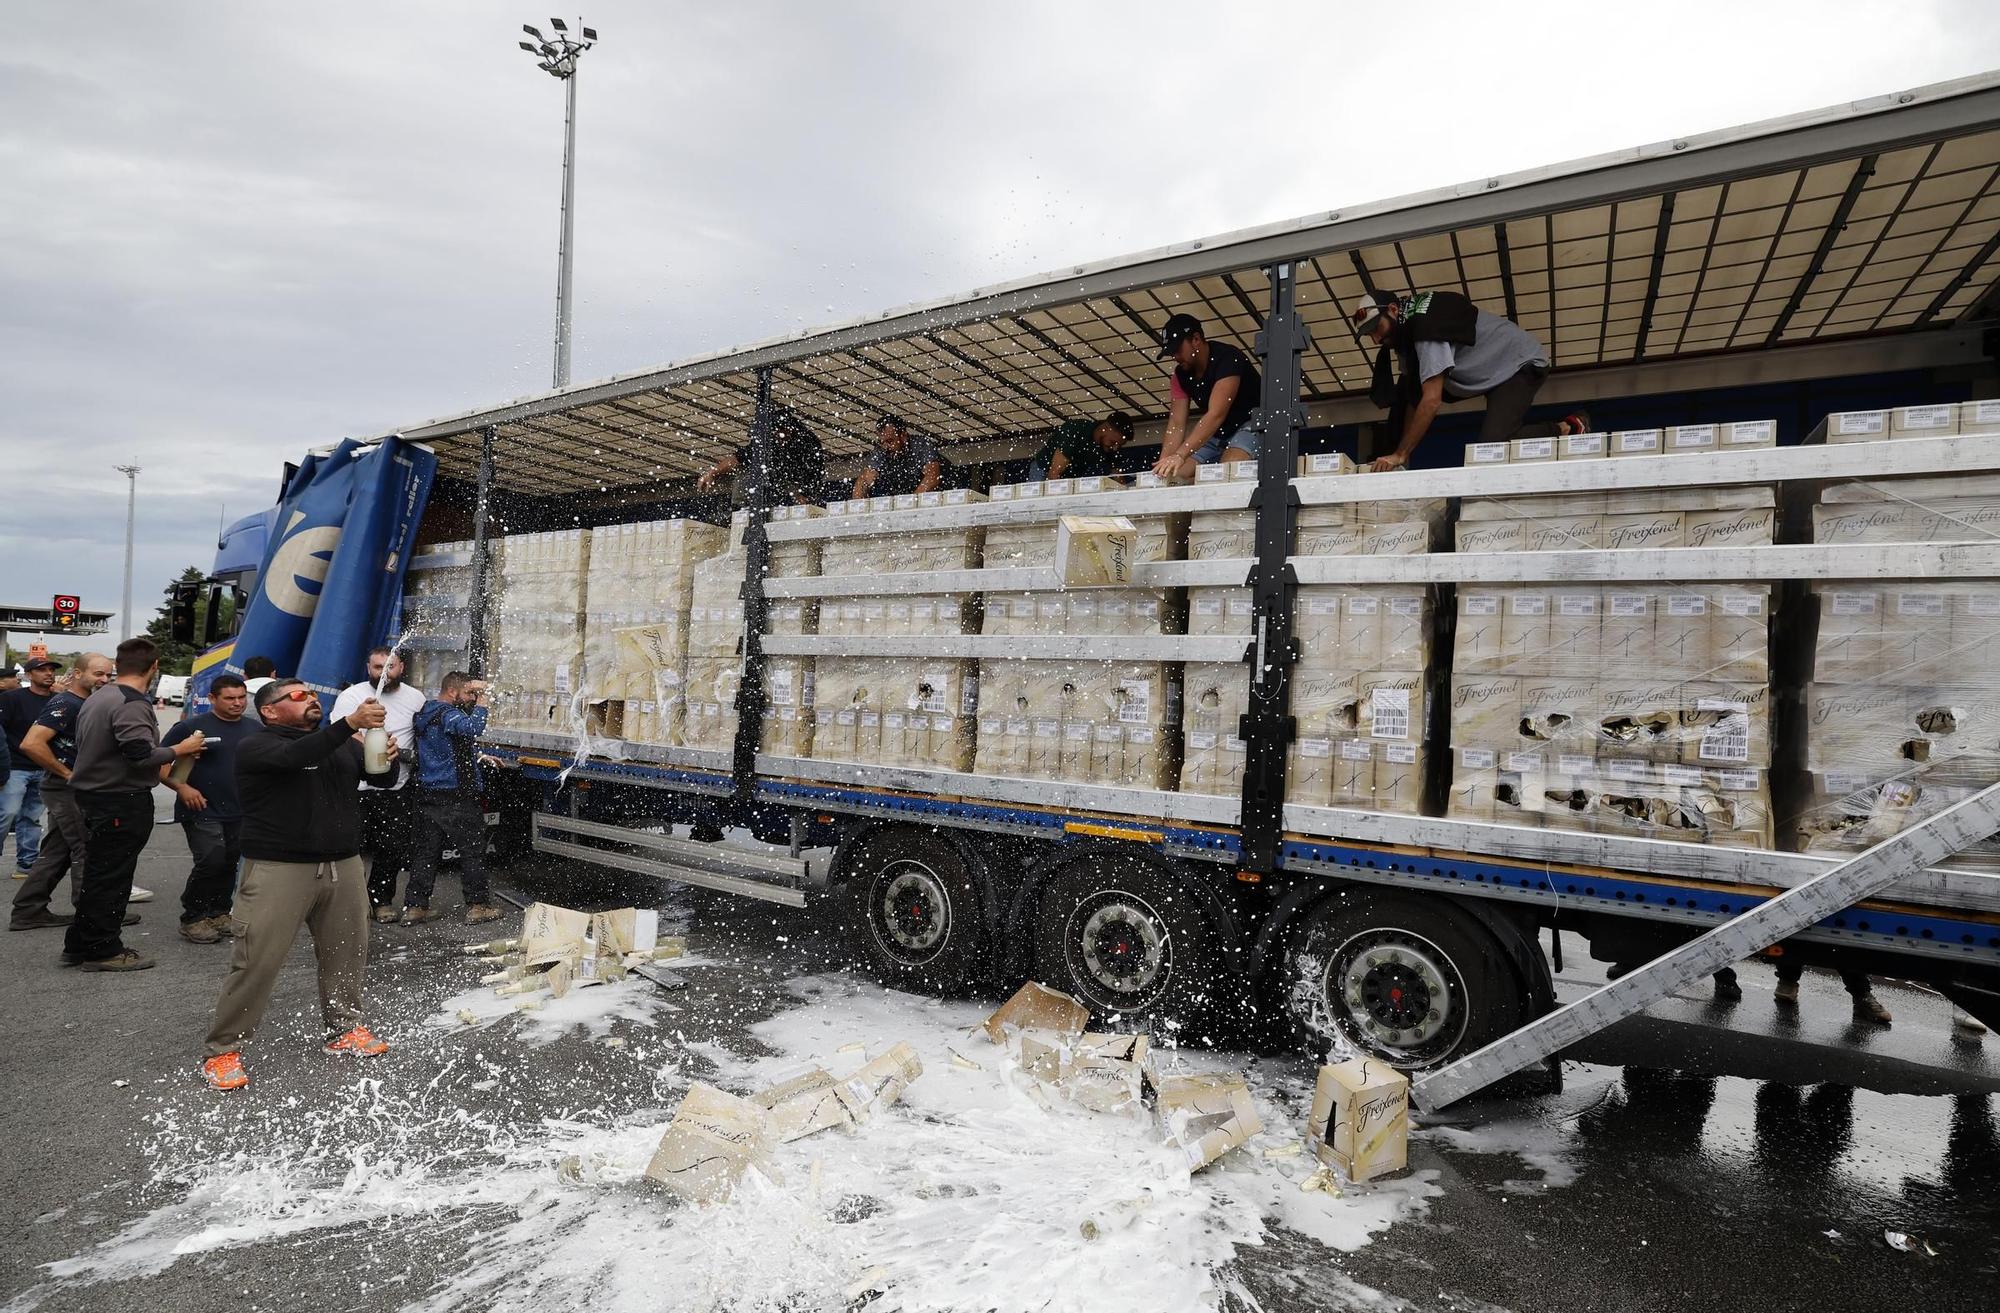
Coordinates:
1949 832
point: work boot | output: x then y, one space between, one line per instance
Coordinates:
43 920
225 1071
360 1041
705 832
385 914
125 961
1727 989
223 925
479 913
1786 995
200 932
1868 1008
416 915
140 895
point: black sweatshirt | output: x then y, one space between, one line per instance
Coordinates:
298 793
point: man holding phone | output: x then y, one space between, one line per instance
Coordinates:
448 807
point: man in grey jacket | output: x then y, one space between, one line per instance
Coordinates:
118 760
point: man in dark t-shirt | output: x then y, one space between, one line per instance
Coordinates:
1080 448
207 809
903 463
1216 383
795 467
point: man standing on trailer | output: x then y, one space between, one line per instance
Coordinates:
388 815
795 470
1080 448
902 464
1218 381
1447 347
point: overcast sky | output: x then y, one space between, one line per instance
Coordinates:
232 231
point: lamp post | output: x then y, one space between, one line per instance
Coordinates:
557 56
131 473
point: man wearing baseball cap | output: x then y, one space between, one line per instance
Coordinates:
1447 347
21 794
1217 380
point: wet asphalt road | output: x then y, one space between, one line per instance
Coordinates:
1729 1160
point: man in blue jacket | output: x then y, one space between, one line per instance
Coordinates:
448 809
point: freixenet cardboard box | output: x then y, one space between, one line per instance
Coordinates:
1583 446
1487 453
1691 437
879 1083
1636 442
1204 1116
1978 417
802 1106
1857 426
1924 421
1527 450
1037 1007
550 933
625 930
1096 551
1360 1122
713 1139
1746 434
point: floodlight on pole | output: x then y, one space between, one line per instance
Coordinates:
131 473
558 58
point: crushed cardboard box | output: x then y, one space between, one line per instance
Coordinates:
879 1082
713 1139
1361 1118
549 932
1037 1007
1096 551
1204 1116
1104 1073
802 1106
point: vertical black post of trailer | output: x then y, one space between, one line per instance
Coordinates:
1268 728
750 698
482 496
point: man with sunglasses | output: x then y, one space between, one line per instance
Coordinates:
301 843
1447 348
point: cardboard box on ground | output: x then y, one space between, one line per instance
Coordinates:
1360 1120
561 949
1204 1116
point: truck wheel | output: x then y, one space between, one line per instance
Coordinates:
1127 939
914 903
1402 979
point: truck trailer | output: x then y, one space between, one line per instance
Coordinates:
1706 684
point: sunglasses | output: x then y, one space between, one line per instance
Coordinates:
297 695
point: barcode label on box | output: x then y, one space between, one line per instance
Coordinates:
1576 604
1737 781
1389 713
1534 448
1629 604
1637 440
1852 603
1476 758
1923 417
1682 775
1486 604
1742 604
1858 421
1920 604
1528 604
1400 754
1570 763
1355 750
1685 605
1526 762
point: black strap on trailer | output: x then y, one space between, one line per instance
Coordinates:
751 700
1268 728
482 564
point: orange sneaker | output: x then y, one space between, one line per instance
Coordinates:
225 1071
359 1040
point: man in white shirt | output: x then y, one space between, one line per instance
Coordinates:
388 816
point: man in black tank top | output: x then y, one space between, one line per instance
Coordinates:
1216 384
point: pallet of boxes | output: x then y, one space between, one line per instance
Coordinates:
1365 675
888 711
537 623
560 949
1902 707
638 616
1625 709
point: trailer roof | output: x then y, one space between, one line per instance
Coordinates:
1877 218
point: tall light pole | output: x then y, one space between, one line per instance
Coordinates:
131 473
557 56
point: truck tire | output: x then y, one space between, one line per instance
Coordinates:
913 900
1129 939
1404 978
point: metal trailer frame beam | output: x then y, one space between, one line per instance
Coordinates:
482 563
1950 831
751 700
1267 727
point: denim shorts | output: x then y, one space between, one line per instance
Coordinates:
1247 439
